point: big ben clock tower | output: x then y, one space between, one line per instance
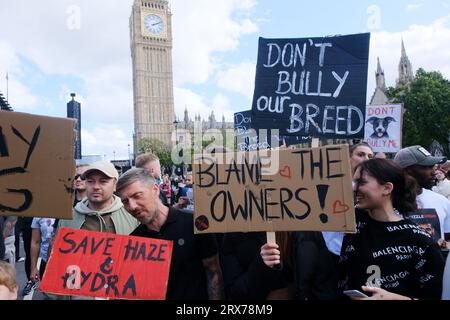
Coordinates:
151 53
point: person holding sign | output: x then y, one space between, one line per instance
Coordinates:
194 271
389 256
246 276
359 153
317 253
101 210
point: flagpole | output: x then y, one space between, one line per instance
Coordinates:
7 87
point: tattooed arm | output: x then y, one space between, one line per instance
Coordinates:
214 278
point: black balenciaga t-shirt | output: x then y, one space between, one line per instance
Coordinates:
396 256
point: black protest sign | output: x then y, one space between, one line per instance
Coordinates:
36 165
251 137
312 86
248 137
275 190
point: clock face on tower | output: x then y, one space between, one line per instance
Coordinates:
154 24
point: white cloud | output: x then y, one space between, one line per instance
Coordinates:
244 4
19 95
426 46
8 59
108 141
248 27
89 41
238 78
202 28
110 98
413 7
222 107
41 33
196 105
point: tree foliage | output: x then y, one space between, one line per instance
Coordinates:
426 102
158 148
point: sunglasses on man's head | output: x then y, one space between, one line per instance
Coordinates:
78 176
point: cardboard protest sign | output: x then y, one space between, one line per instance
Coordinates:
251 137
312 86
37 165
274 190
98 264
383 129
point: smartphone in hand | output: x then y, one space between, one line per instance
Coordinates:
355 294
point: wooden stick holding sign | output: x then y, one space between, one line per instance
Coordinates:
271 237
315 143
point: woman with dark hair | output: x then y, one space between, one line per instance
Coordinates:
316 254
359 153
389 256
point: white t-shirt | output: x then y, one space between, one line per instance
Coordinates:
333 240
45 226
432 200
446 281
443 188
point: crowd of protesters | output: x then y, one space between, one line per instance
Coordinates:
407 256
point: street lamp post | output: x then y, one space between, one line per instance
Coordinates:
129 156
176 131
176 122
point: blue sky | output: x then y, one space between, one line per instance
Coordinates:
53 48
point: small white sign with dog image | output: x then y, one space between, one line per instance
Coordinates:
383 128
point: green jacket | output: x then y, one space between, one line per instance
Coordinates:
124 223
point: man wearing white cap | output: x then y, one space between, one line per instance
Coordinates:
420 164
101 210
